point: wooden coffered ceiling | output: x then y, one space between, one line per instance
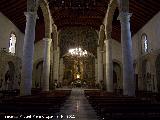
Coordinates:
81 13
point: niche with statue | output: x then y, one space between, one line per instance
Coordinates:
10 71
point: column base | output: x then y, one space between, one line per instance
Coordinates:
25 92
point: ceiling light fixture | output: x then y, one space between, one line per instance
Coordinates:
78 52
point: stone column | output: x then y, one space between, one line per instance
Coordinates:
153 58
28 51
51 76
96 71
109 66
139 64
127 58
46 64
56 64
61 70
100 64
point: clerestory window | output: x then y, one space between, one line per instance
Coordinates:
144 43
12 43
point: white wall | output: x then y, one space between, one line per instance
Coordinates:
39 51
6 28
116 51
152 29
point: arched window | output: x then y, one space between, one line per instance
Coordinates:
144 43
12 43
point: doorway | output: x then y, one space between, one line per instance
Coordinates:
158 72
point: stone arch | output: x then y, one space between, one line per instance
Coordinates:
109 17
102 36
117 74
118 62
37 73
135 66
146 75
106 27
39 70
123 5
54 36
10 75
107 22
47 17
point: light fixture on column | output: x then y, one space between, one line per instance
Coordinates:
78 76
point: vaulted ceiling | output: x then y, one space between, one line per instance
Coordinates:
81 13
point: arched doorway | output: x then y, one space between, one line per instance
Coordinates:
146 76
38 73
144 73
114 80
158 72
10 76
135 66
116 76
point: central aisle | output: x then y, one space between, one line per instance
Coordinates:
77 107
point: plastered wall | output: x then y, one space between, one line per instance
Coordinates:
6 28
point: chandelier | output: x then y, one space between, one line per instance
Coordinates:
78 52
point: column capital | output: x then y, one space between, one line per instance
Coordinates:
106 40
54 27
32 15
47 39
124 16
98 46
100 49
102 27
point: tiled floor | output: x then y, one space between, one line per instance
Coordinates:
77 107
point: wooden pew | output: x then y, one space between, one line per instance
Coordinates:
43 103
112 107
